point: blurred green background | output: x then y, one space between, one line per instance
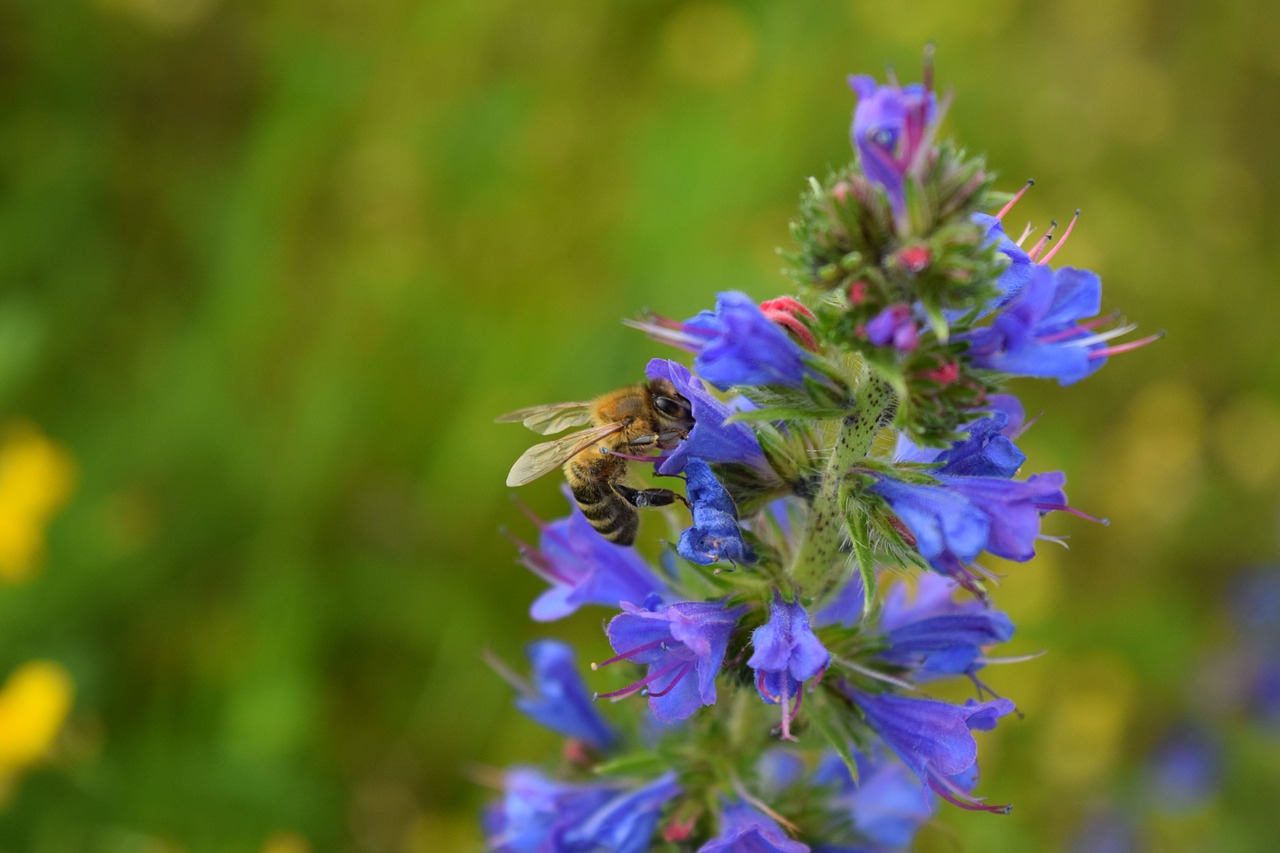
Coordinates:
268 271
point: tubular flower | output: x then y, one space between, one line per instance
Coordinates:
715 532
535 812
934 634
884 805
625 823
1037 333
891 125
736 344
584 568
711 439
559 699
675 641
787 654
933 738
745 830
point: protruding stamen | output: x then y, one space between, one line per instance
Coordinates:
1100 337
528 513
948 790
684 670
1026 232
534 560
1034 251
1070 510
507 674
656 644
1063 241
926 76
668 332
1132 345
636 687
1019 194
1079 327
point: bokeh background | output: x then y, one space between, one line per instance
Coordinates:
268 271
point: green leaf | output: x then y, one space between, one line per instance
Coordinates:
858 535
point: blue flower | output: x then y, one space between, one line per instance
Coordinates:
1018 273
895 325
560 701
1185 768
891 125
960 517
711 439
745 830
715 532
584 568
675 641
933 738
885 805
736 344
846 607
786 655
936 635
535 811
1037 333
624 824
987 450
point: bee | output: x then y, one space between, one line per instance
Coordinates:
620 425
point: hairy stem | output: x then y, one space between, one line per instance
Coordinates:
820 564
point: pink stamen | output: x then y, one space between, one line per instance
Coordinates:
534 560
528 513
947 789
1035 250
1132 345
674 681
1070 225
656 644
788 716
674 334
636 687
760 685
1078 328
632 457
1070 510
1008 207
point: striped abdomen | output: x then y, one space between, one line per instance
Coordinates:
591 481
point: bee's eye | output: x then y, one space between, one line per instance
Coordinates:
669 407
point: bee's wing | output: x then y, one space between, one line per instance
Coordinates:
549 455
550 417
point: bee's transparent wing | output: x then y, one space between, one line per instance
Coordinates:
550 417
550 455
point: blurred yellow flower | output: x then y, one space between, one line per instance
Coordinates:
34 703
36 479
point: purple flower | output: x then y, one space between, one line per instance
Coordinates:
1018 272
1037 333
559 699
891 125
935 635
933 738
895 325
584 568
711 439
535 811
736 344
786 655
715 532
987 450
954 521
624 824
674 641
745 830
884 805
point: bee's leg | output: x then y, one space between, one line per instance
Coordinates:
642 498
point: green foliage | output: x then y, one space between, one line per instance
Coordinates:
270 271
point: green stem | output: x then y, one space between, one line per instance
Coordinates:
819 563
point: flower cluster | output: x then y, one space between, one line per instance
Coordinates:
858 432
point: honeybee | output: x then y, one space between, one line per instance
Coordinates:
620 425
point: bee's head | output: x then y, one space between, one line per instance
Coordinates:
672 408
